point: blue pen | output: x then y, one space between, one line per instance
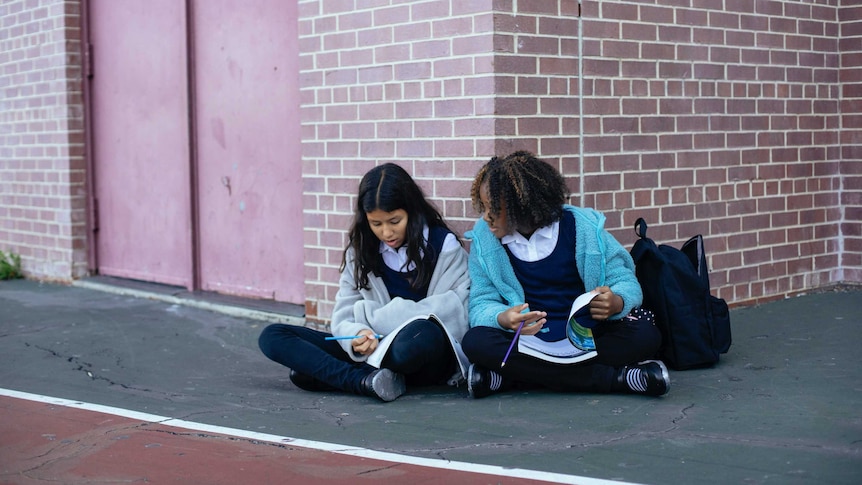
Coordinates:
351 337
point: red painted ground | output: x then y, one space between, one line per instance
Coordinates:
47 443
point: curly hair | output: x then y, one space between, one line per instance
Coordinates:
389 187
531 191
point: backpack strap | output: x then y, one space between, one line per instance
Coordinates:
641 227
644 245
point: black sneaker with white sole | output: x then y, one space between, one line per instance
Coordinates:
482 382
309 383
649 377
384 384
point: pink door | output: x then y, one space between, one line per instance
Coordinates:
141 149
248 138
245 107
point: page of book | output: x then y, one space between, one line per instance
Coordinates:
580 322
376 357
560 352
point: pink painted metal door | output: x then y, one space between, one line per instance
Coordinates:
248 140
141 145
246 231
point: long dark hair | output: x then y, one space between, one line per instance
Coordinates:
389 187
531 189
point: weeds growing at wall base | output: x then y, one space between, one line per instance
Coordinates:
10 266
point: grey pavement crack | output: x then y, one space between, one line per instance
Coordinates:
683 414
85 367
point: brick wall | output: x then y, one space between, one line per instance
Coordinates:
42 197
720 118
536 67
850 44
410 83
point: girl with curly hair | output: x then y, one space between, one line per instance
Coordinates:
531 255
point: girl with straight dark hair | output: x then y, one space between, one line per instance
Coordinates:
402 264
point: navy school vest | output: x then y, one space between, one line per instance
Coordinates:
553 283
398 283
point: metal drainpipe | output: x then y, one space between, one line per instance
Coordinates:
92 223
581 104
194 202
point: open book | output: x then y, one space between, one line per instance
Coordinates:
376 358
580 322
580 344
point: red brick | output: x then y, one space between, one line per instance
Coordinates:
537 126
451 27
640 180
679 141
429 10
557 26
477 44
602 182
549 66
709 71
640 143
452 108
677 213
567 105
677 34
376 149
516 64
453 67
615 11
538 45
550 146
474 126
413 70
515 23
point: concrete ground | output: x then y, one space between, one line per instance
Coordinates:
784 406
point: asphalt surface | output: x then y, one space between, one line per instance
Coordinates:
784 406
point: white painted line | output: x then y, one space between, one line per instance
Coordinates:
316 445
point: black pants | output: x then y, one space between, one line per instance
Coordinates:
619 343
421 352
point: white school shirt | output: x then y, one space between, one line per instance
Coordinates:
396 258
540 245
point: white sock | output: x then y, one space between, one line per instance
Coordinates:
496 380
636 380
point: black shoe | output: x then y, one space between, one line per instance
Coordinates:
649 377
482 382
384 384
309 383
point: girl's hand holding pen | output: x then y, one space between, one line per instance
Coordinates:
511 318
365 343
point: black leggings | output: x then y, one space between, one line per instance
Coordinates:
619 343
421 352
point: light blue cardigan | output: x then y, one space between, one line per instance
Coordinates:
601 260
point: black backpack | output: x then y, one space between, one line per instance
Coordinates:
695 326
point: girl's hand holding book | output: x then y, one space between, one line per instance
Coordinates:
605 304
